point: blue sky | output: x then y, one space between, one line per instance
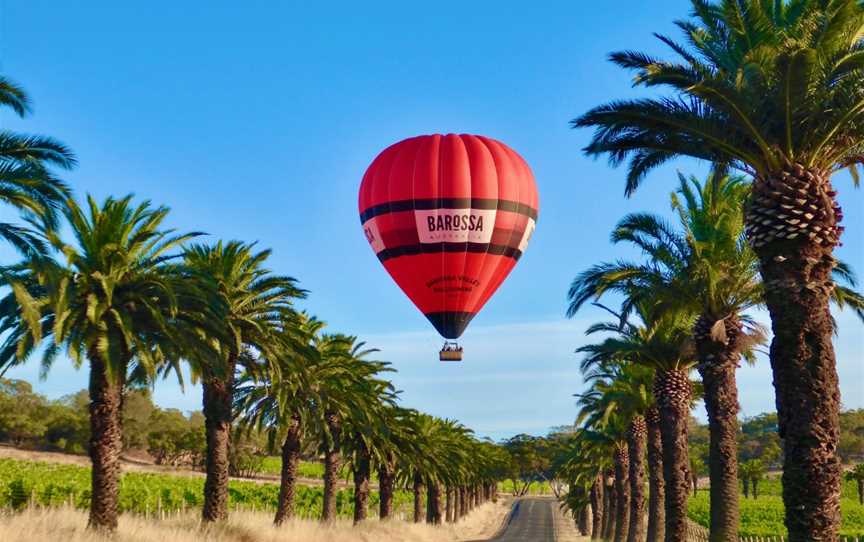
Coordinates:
257 120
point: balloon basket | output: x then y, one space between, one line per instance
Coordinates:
451 351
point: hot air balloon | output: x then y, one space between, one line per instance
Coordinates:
448 216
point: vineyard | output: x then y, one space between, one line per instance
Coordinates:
272 465
764 516
25 483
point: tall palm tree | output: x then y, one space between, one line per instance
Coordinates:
255 303
277 397
112 303
662 342
605 423
369 435
771 89
626 390
346 395
403 444
26 181
706 267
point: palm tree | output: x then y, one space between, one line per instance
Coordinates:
627 391
255 304
403 444
26 182
771 89
278 400
662 343
605 423
344 396
113 303
857 475
369 436
707 269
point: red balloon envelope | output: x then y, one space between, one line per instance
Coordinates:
448 216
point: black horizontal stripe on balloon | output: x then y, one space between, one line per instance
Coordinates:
447 203
437 248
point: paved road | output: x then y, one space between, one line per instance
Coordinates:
530 521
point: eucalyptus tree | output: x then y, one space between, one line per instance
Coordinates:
663 343
113 303
27 183
276 398
254 304
771 89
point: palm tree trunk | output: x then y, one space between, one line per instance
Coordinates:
361 483
332 463
106 434
218 415
463 501
622 492
386 482
609 506
796 273
288 480
597 507
636 451
805 380
584 520
746 483
718 360
673 393
435 504
419 498
449 508
656 483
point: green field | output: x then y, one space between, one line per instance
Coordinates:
23 483
764 516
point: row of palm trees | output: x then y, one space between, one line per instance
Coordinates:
640 388
773 90
138 301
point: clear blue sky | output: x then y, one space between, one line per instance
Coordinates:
256 121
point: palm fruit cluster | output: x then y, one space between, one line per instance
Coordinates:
716 336
652 416
638 428
797 203
622 455
672 389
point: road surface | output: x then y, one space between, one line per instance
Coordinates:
532 520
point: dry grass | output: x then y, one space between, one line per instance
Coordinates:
67 525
